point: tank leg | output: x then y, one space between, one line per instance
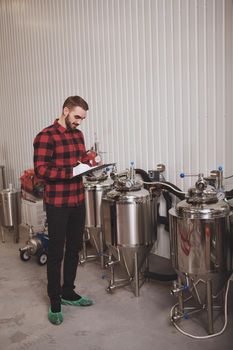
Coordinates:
16 233
222 298
3 236
101 249
111 284
147 269
209 306
180 298
136 274
84 251
112 275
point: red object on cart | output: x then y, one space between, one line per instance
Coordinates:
30 183
92 157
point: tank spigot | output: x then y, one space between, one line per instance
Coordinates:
201 184
176 317
110 288
176 290
108 264
111 263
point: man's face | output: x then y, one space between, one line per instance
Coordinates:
74 117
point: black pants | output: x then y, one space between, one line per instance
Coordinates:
65 229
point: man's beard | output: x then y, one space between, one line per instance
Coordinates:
69 126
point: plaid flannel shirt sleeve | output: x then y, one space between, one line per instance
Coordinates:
43 160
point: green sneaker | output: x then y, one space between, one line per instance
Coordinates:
55 317
83 301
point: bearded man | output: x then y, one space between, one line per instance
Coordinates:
57 150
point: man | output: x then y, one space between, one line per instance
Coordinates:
57 151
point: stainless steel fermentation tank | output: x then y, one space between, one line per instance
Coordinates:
129 225
10 211
201 251
94 190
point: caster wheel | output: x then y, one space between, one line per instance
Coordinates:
25 256
42 259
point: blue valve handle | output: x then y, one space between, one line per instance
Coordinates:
182 175
185 287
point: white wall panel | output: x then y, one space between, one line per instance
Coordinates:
157 75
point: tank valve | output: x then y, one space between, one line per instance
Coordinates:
111 263
176 317
177 290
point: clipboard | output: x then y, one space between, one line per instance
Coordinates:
84 169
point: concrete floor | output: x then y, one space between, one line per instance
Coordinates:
116 321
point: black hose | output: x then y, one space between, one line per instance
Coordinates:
161 220
174 186
229 194
172 189
144 175
168 200
159 276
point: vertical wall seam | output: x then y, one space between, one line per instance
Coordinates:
114 53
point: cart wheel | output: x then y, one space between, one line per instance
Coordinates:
42 259
25 256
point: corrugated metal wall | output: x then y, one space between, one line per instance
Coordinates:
157 75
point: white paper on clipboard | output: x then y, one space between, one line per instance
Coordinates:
83 169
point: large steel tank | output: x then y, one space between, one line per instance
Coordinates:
129 225
201 248
95 188
200 238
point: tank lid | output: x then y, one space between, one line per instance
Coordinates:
10 190
96 178
207 195
199 210
128 196
128 186
98 184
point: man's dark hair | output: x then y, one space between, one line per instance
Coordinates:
75 101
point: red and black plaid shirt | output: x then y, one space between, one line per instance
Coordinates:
56 152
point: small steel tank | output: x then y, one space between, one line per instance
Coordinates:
10 210
128 218
95 188
201 248
129 225
93 198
